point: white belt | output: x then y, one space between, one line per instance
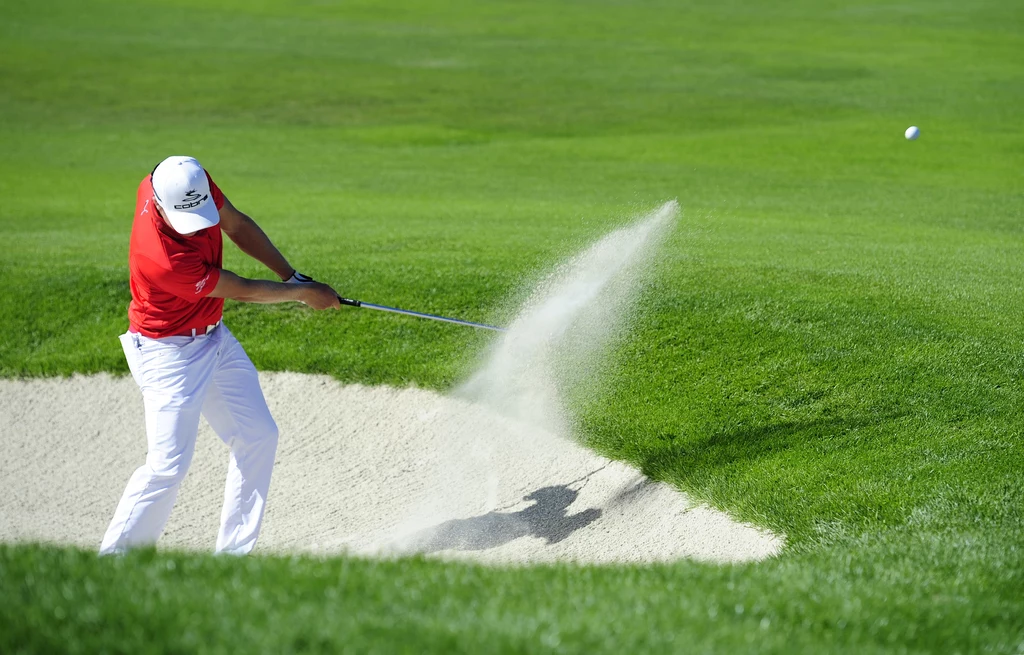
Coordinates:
201 331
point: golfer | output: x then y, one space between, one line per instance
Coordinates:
186 361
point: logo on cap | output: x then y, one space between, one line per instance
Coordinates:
191 199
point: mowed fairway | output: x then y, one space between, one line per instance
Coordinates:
831 347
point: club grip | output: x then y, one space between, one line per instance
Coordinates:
349 302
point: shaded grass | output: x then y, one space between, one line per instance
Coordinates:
73 602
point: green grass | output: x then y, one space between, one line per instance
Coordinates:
830 348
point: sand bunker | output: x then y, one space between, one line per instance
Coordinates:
366 470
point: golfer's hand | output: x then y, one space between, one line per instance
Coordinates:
319 296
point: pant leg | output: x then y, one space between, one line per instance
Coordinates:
238 412
173 375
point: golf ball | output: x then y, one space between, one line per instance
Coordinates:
912 133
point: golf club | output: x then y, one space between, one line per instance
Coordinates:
433 317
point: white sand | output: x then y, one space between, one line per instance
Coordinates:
374 471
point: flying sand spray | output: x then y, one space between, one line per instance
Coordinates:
564 327
556 341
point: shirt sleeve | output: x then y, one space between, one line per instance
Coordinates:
189 277
218 195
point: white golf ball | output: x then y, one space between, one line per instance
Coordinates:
912 133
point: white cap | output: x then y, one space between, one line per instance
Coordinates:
183 191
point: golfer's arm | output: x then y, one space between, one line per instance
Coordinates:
252 240
260 291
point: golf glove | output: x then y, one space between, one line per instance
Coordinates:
298 278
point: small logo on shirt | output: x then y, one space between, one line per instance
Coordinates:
191 199
202 283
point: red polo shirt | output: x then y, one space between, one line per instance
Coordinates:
171 275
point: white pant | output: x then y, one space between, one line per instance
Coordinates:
181 378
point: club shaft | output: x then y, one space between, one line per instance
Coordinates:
407 312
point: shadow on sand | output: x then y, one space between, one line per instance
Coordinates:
546 518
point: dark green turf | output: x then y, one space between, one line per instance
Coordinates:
64 600
831 346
